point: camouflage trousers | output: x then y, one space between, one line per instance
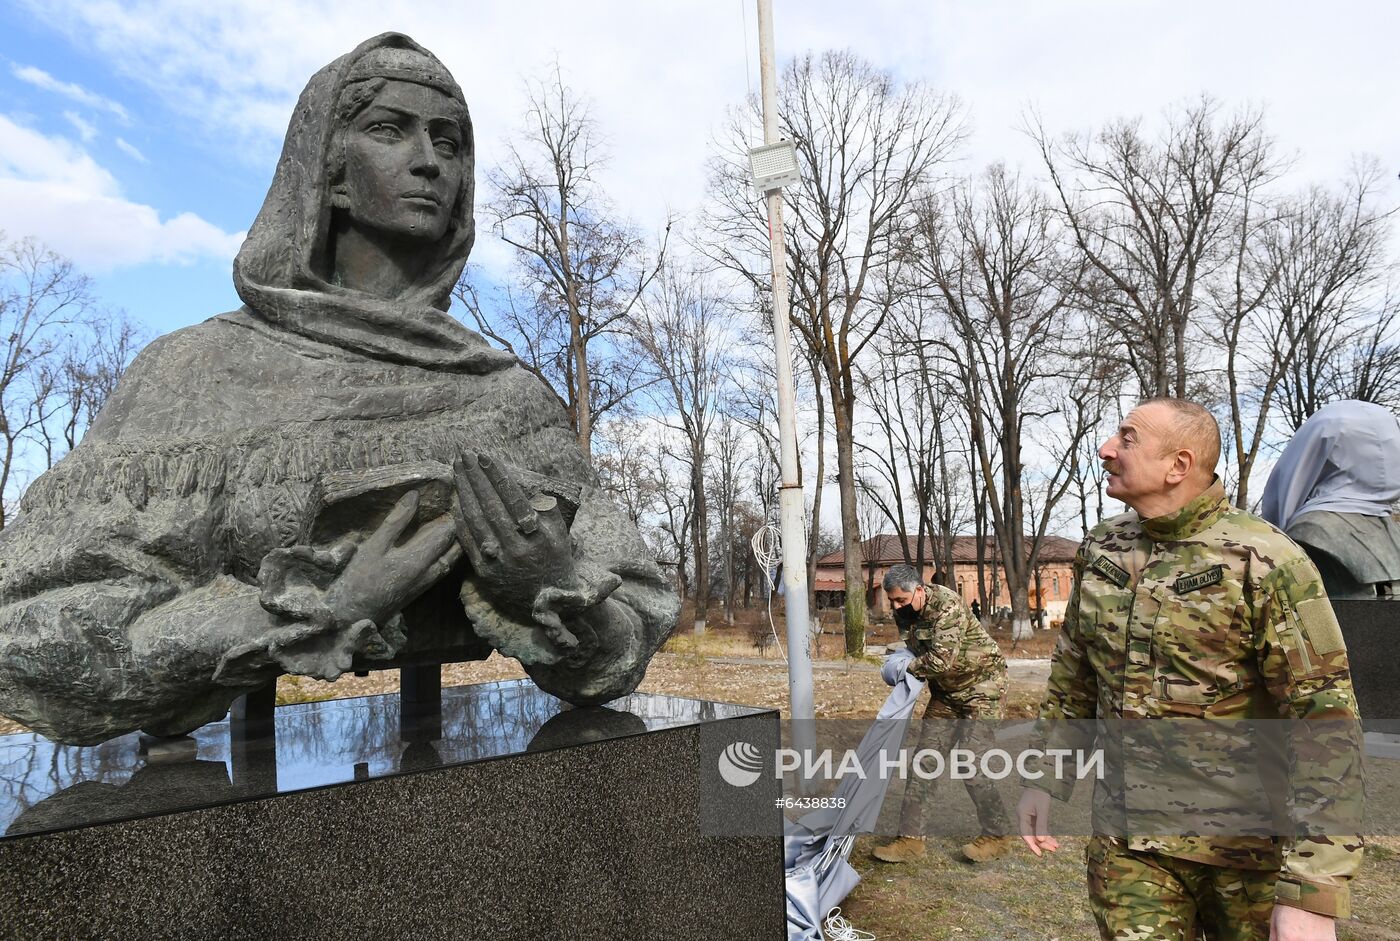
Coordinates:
1151 897
967 721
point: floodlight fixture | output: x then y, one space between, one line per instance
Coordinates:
774 166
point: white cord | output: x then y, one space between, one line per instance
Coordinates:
767 546
839 929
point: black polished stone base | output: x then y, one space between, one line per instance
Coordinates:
1372 632
509 816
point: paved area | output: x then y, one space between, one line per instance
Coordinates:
1018 670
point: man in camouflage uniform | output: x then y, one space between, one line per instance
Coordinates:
966 677
1188 607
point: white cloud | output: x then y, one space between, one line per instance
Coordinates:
27 155
131 151
86 129
54 191
662 74
41 79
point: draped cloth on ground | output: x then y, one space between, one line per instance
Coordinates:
817 846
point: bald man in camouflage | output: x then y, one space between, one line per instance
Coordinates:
1188 607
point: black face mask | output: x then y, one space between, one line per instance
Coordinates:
905 613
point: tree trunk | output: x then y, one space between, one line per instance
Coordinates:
577 346
727 540
819 480
979 528
748 580
700 540
850 528
1020 609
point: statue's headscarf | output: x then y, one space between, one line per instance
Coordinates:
1344 459
280 269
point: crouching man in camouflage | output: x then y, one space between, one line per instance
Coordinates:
966 677
1187 609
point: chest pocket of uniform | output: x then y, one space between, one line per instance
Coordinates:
1198 638
1103 618
1102 603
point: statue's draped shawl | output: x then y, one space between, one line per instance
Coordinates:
1344 459
130 576
281 270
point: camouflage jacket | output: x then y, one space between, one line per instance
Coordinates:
1213 614
952 652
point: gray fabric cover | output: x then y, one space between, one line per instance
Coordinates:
1344 459
817 845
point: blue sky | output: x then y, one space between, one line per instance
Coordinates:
139 138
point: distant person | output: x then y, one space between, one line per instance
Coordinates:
966 677
1333 492
977 609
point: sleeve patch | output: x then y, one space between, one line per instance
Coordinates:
1320 624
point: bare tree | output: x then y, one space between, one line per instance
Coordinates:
907 452
1154 220
1331 310
998 262
42 299
626 466
725 482
754 404
683 330
865 144
92 359
674 495
580 270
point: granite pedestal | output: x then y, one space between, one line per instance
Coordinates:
507 816
1371 630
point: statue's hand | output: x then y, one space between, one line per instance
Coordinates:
344 600
382 576
520 549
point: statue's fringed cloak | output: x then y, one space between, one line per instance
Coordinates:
128 582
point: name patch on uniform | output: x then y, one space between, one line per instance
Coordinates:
1211 576
1105 567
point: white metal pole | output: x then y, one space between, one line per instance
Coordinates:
792 510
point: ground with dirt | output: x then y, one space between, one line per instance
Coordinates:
1018 898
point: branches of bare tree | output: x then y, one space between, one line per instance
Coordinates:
683 331
995 258
62 357
627 468
1154 219
1331 299
580 270
866 146
905 465
1300 306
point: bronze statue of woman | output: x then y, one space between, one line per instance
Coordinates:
336 474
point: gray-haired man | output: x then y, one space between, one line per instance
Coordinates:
966 677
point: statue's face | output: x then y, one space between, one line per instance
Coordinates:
404 162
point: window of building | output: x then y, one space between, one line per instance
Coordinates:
1055 587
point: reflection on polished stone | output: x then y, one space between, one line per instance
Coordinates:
580 726
46 787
